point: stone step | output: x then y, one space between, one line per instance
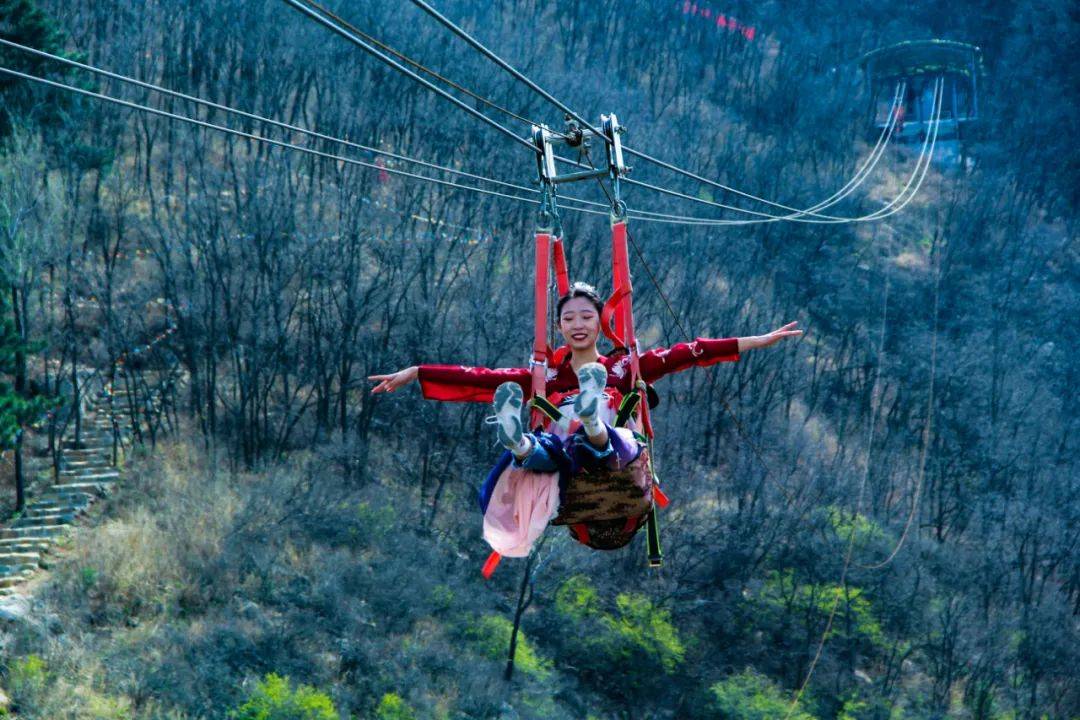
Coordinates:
90 461
72 509
33 531
124 404
95 446
90 475
98 462
84 497
82 486
16 558
9 581
17 568
83 454
52 504
101 455
88 470
48 519
38 545
91 433
96 466
69 459
102 442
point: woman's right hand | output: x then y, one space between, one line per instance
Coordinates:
393 381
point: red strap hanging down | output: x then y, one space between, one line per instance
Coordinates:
659 497
581 532
540 308
490 565
620 276
622 301
562 273
611 311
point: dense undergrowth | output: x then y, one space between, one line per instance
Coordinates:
292 595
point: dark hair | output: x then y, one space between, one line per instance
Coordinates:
580 290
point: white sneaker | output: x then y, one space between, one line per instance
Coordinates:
592 381
507 406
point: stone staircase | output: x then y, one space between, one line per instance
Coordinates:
87 474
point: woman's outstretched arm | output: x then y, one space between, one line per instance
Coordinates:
394 381
455 383
763 341
703 352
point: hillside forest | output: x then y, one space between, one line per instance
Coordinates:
879 520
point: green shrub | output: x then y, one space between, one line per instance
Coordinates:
375 522
642 628
27 677
577 598
89 577
491 635
98 706
392 707
844 523
275 699
625 646
783 595
751 696
637 629
442 597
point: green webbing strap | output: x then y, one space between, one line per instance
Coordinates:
548 408
652 533
626 409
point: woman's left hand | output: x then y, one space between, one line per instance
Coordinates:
760 341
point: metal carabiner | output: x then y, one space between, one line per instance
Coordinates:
547 217
618 209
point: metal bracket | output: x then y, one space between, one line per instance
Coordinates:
548 215
545 157
616 165
613 130
543 139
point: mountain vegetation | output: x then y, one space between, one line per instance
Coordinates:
878 522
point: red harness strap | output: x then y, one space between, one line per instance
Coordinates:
581 532
661 500
562 274
622 289
612 311
541 351
490 564
540 308
621 306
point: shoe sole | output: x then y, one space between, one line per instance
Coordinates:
593 374
592 379
579 407
509 394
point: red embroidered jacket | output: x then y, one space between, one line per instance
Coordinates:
477 384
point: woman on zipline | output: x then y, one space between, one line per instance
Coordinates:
587 388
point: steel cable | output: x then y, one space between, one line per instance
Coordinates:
275 142
375 52
477 45
906 195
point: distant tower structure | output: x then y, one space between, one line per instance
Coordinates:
918 63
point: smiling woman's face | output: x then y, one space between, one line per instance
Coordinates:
579 323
